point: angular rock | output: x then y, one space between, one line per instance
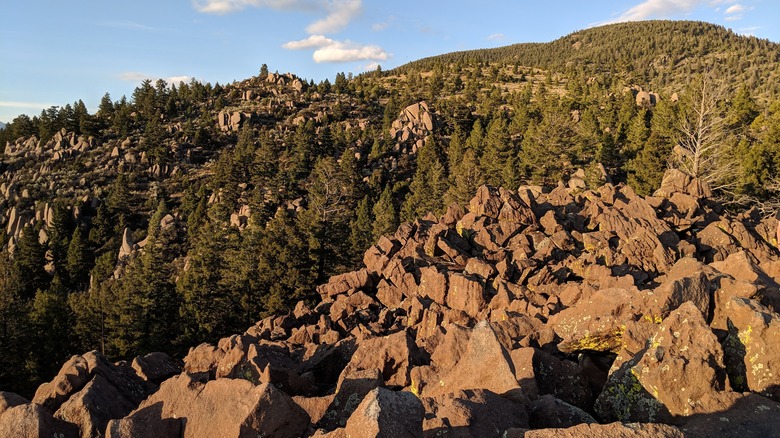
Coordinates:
155 367
387 414
752 350
394 355
94 406
228 408
484 364
472 413
681 364
466 293
32 420
146 422
596 324
611 430
550 412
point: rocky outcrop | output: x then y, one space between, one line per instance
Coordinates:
412 127
566 312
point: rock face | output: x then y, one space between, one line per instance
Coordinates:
568 312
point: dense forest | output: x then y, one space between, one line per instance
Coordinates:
188 211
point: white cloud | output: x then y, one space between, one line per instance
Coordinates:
134 76
341 12
26 105
347 52
657 8
309 43
496 37
329 50
371 66
735 9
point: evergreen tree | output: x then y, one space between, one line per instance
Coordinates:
360 229
30 259
428 185
78 261
14 330
385 215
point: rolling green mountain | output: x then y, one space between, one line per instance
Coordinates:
657 53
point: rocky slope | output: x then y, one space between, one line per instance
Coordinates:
563 313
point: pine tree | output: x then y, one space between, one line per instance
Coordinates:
497 151
30 259
14 330
385 216
466 180
360 229
428 185
78 261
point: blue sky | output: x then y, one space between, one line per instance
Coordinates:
54 52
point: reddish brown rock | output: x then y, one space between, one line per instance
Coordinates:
9 400
752 350
596 323
472 413
155 367
682 363
735 415
352 388
387 414
32 420
394 355
466 293
550 412
539 373
93 406
228 408
203 359
145 422
487 202
484 364
339 284
73 375
433 284
688 280
612 430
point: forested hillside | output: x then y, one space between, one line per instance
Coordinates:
188 211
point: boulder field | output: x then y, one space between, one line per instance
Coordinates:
533 313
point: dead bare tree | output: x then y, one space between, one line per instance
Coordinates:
703 150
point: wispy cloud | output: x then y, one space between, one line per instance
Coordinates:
128 25
25 105
496 37
657 9
378 27
329 50
134 76
339 13
649 9
748 31
221 7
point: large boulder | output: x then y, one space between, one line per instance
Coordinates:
485 364
682 363
227 408
752 350
477 413
387 414
394 355
32 420
611 430
94 406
